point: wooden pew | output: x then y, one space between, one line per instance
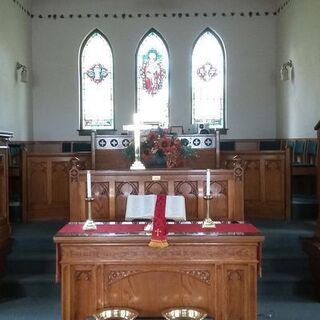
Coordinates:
46 184
266 182
111 188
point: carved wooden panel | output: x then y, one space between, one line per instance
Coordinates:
217 274
227 202
188 189
252 177
47 186
274 180
156 187
100 205
38 184
83 280
219 206
60 182
123 189
266 182
237 295
139 253
169 287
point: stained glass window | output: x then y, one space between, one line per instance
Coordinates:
96 83
152 79
208 80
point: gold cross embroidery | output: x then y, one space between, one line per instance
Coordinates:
158 231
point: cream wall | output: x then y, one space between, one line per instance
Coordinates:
299 40
250 46
15 46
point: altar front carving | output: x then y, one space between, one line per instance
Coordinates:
212 270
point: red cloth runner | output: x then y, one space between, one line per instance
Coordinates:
109 229
159 231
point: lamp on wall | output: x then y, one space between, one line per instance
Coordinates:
23 73
286 70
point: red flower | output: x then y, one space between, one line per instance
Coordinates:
152 136
163 144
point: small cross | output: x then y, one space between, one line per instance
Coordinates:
136 127
114 142
102 143
196 142
158 231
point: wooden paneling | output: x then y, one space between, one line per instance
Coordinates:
46 184
217 274
266 182
111 188
4 198
116 160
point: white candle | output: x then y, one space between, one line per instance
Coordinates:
208 182
89 194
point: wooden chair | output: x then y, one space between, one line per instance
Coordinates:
311 152
290 144
299 151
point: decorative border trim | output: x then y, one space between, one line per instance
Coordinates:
283 6
178 15
22 8
205 141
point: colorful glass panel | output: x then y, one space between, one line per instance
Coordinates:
152 69
96 72
208 80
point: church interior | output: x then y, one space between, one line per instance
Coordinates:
232 86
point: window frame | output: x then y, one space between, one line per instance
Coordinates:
220 41
87 132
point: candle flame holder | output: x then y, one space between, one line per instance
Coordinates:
208 222
89 224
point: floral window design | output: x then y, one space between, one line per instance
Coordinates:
96 83
152 82
208 80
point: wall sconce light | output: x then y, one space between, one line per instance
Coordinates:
286 70
23 73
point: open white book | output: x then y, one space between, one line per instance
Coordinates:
142 207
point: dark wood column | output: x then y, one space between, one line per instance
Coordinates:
4 198
312 245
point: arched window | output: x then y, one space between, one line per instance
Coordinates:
152 79
208 80
96 83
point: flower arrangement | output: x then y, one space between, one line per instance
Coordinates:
159 148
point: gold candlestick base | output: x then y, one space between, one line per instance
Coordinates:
89 224
208 222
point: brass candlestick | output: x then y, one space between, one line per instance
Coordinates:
89 224
208 222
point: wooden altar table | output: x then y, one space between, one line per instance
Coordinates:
212 269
